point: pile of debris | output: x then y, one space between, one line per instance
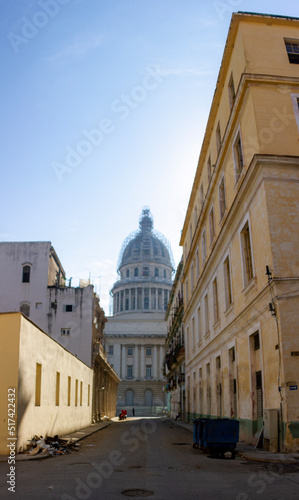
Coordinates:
51 446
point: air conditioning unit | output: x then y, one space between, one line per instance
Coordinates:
271 430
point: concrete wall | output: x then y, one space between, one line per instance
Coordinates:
25 345
79 321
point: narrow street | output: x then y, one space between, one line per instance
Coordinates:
154 456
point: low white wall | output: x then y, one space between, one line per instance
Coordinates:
49 418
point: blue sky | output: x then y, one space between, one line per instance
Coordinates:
104 105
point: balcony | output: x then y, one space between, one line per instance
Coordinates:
175 356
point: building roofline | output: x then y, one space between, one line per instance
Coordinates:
45 333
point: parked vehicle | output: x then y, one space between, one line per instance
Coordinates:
123 415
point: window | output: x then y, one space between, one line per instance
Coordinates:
129 371
133 304
292 47
25 309
238 156
231 91
212 225
156 272
38 384
111 350
195 216
206 314
148 371
193 332
128 273
209 167
215 300
197 263
145 272
164 274
136 272
130 351
187 291
57 387
26 274
69 308
146 298
148 351
204 246
69 384
201 195
38 305
76 393
65 331
246 254
198 324
222 200
227 283
256 341
127 299
88 395
192 276
81 393
218 138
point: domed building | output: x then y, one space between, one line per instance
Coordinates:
135 334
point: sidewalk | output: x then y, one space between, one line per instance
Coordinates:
250 452
73 436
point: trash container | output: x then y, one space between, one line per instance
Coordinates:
198 426
219 435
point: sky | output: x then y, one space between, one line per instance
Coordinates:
104 105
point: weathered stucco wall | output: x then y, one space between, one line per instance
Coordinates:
55 414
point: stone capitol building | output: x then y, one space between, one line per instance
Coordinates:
135 334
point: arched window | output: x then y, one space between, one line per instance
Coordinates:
136 272
148 397
145 271
26 274
156 272
25 309
130 397
128 273
164 273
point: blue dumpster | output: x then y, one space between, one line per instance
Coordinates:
219 435
198 426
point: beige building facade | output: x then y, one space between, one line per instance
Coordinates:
44 389
241 237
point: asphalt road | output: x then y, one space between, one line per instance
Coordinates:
147 458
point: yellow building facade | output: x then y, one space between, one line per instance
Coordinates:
241 237
44 389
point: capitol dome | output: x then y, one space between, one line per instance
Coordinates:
144 245
145 267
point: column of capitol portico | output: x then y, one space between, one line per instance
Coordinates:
123 361
142 362
155 362
136 359
161 359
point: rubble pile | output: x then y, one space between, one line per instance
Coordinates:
50 446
